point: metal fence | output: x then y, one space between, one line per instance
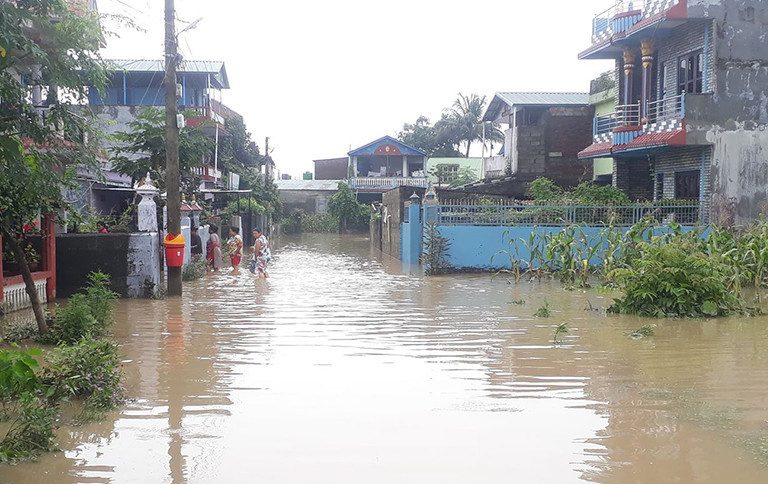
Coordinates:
682 212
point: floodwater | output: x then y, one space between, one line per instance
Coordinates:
345 368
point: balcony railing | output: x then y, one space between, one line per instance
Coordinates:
619 17
204 171
386 183
667 109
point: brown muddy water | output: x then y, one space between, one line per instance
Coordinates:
345 368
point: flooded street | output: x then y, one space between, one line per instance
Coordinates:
344 368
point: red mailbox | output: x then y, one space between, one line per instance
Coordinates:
174 250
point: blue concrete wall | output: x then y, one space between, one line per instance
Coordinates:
491 247
411 234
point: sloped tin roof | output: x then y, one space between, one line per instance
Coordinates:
513 99
218 70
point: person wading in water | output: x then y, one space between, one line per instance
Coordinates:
261 254
213 250
235 249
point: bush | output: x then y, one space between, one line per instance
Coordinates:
320 223
73 322
89 369
100 298
586 193
86 315
436 249
676 279
195 269
31 433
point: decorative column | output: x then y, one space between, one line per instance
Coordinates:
629 68
147 206
646 48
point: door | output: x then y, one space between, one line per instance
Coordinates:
687 185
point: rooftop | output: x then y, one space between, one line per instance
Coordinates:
384 146
520 99
217 69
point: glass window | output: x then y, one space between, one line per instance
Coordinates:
690 76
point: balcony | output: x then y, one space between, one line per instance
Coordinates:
207 173
382 184
629 128
613 27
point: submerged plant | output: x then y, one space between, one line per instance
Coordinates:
643 331
543 311
560 330
519 302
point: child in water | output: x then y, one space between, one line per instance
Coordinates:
235 248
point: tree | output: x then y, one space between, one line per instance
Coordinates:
236 148
142 148
459 127
46 47
435 141
466 121
344 206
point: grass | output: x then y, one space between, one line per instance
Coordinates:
543 311
644 331
560 331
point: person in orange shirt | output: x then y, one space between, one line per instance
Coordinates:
235 248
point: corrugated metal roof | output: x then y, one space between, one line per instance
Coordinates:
217 68
309 185
534 99
545 98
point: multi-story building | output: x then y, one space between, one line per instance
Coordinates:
603 95
544 133
135 84
690 120
384 164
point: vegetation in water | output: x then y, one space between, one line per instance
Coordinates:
436 247
87 314
88 370
196 269
644 331
350 213
676 280
518 302
543 311
560 331
300 222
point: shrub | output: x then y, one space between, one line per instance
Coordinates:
435 250
31 433
73 322
86 314
195 269
18 373
100 298
89 369
676 279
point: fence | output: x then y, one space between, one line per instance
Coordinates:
386 183
516 213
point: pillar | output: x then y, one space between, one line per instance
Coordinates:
646 48
48 258
629 68
405 167
354 166
147 206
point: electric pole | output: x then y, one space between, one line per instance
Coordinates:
172 176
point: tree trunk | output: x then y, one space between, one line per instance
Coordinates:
469 144
26 274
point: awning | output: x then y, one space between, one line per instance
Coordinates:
596 150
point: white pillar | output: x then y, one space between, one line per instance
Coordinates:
405 167
147 206
354 166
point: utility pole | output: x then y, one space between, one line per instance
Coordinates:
172 176
267 159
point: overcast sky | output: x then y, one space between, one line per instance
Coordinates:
320 76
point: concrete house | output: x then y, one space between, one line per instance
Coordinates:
544 133
384 164
444 171
308 196
690 121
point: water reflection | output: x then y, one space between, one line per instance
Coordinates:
344 367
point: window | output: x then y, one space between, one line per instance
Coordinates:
659 193
446 174
687 185
690 74
663 81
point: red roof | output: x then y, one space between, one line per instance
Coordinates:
596 150
656 139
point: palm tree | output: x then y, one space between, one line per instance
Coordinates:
466 121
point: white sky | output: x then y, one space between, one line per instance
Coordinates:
320 76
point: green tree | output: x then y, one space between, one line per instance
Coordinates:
49 49
435 141
142 148
465 119
344 206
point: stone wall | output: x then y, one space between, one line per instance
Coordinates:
132 260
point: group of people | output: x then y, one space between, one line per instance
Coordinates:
214 250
